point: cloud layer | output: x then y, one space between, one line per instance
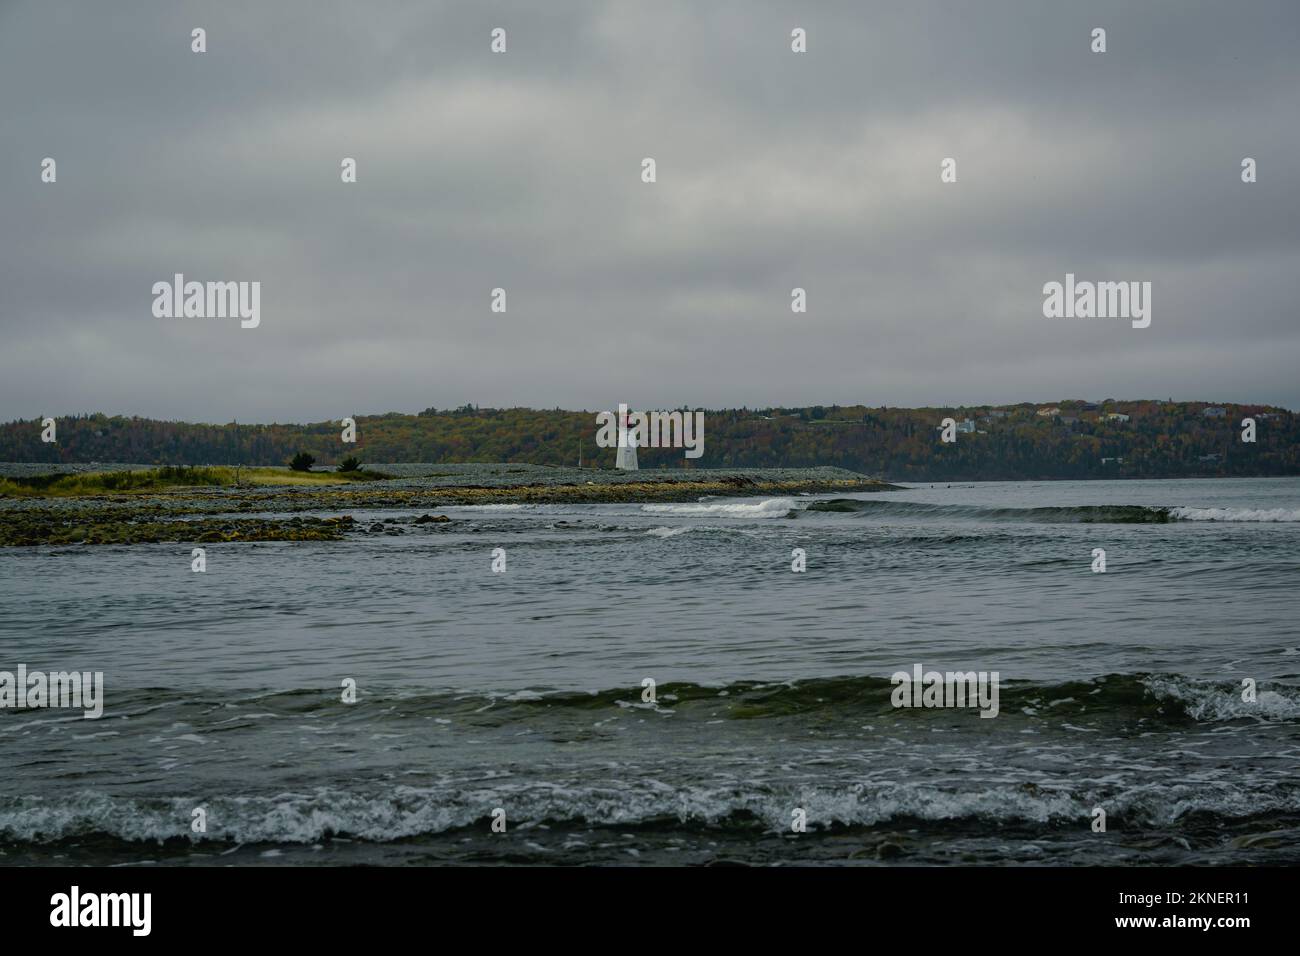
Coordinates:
522 171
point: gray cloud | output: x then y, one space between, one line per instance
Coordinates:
522 171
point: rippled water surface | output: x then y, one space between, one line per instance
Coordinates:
523 690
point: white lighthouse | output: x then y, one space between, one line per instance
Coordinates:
627 441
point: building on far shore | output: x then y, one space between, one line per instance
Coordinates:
1215 411
965 427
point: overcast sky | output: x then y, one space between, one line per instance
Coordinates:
523 171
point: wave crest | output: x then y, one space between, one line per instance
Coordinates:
767 508
407 812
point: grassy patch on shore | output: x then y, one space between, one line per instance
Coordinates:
168 476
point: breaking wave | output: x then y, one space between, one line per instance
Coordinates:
1154 697
379 813
768 508
405 812
1235 514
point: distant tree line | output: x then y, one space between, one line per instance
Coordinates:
1068 439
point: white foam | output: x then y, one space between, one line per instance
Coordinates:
1214 703
1235 514
523 695
404 812
767 508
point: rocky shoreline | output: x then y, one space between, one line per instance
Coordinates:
209 514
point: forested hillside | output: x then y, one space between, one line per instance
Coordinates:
1068 439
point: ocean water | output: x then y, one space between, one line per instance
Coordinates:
522 692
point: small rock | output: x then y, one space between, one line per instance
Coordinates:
888 851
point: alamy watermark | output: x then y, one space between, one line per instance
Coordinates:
76 690
951 689
130 910
1098 300
208 300
681 429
